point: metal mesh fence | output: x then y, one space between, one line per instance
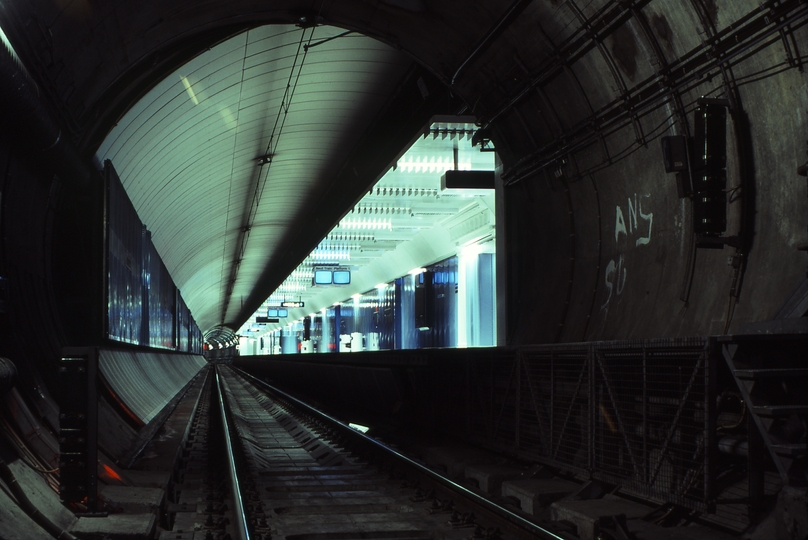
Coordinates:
492 399
555 416
630 413
651 422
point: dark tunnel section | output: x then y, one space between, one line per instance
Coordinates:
32 333
98 239
600 245
57 243
57 247
667 420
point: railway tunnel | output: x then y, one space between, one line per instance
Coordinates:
166 166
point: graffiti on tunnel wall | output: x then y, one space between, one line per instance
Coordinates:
633 232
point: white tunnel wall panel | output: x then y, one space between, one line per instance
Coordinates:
405 297
477 300
146 382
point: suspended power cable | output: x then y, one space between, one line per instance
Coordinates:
230 191
265 161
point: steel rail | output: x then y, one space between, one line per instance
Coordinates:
504 513
241 526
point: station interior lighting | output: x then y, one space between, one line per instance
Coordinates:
406 210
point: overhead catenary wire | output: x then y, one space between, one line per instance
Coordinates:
265 163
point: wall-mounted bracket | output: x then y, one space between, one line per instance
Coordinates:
717 242
78 428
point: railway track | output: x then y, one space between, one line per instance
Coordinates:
260 465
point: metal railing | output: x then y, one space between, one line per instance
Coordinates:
634 414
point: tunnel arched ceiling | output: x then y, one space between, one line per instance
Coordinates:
221 156
576 94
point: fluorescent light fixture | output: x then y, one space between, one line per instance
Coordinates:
416 271
381 286
337 304
11 50
369 224
471 250
189 89
357 427
356 297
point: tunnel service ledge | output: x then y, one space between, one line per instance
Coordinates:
117 527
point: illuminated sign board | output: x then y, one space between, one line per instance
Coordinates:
323 277
342 277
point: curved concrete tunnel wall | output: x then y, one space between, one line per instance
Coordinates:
145 382
573 274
